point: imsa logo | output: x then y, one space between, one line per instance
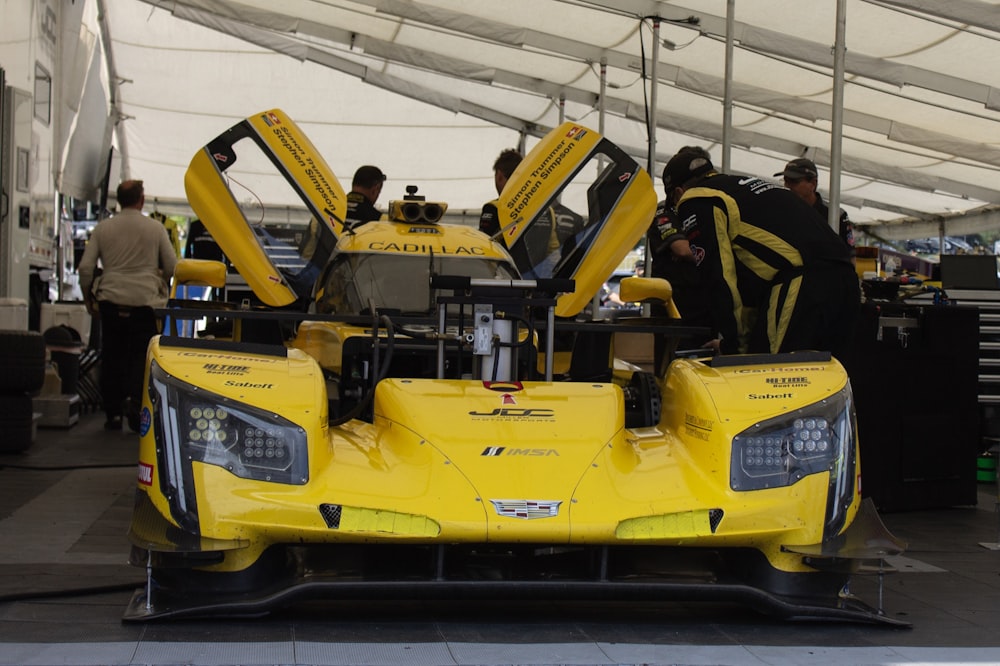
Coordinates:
494 451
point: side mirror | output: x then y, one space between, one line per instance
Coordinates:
200 273
641 289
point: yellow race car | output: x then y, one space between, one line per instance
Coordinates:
411 407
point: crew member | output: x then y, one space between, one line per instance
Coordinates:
366 186
137 262
503 167
779 280
800 176
537 250
674 261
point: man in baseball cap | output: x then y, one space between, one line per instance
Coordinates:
689 163
801 177
799 169
777 279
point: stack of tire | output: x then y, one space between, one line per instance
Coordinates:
22 374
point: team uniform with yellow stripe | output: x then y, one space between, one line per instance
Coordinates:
779 278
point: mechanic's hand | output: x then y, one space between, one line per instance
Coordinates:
712 344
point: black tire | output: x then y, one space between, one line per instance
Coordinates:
643 401
15 422
22 361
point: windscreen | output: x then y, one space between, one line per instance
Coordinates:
356 282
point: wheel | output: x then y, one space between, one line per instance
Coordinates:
643 401
15 422
22 361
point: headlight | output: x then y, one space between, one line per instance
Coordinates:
193 424
780 451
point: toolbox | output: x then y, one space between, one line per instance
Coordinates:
57 411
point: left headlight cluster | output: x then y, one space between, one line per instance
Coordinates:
780 451
194 424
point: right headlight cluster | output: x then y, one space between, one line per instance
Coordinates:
780 451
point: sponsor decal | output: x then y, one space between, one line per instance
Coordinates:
699 254
497 451
224 369
225 357
696 433
788 381
515 414
772 369
145 421
306 163
424 230
689 223
251 385
698 422
769 396
526 509
521 199
145 474
698 427
758 185
420 248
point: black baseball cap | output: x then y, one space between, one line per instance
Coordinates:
690 161
798 169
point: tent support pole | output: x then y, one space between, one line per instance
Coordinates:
727 102
647 260
653 80
113 85
837 120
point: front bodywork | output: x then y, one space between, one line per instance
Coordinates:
411 434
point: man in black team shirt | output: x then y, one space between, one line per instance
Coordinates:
365 188
778 277
801 177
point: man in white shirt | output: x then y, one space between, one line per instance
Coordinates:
137 262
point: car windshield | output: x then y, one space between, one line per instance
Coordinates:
394 281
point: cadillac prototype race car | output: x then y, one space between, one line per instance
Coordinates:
411 408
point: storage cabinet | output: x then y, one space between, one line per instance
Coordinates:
915 375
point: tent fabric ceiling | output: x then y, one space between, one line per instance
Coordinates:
432 90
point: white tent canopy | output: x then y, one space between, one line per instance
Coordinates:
432 90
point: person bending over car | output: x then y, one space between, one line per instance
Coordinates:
779 278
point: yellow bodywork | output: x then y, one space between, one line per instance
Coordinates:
247 448
440 451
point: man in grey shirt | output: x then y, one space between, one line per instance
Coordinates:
137 262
